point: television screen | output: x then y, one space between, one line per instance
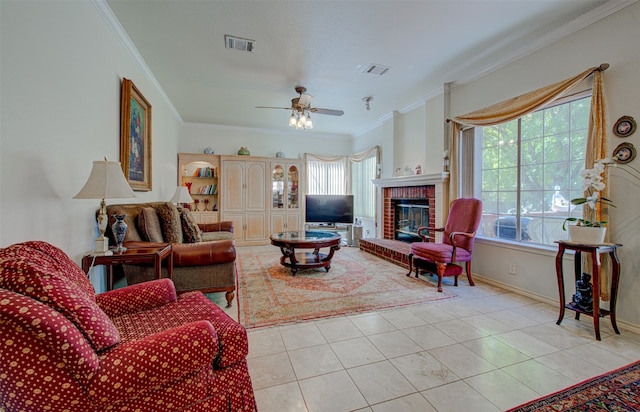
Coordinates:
329 209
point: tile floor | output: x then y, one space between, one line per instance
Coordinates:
487 350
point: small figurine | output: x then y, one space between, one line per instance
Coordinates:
244 151
583 298
418 170
209 150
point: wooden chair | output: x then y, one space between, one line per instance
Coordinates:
457 243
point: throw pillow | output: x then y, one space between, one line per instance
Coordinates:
149 225
45 273
170 221
190 230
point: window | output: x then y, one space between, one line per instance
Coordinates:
529 168
362 173
326 177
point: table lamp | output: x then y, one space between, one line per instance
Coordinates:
106 181
181 196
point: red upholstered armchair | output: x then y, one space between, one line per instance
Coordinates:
457 243
139 348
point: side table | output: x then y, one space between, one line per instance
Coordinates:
594 251
134 255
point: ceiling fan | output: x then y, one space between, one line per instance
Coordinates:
301 110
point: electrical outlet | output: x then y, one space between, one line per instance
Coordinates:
513 269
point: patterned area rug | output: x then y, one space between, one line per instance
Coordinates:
618 390
268 294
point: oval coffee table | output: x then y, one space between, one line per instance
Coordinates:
288 242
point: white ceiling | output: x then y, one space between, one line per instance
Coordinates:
326 45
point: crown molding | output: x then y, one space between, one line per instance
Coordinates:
112 22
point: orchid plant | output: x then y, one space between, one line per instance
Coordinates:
593 184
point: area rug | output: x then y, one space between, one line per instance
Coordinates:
268 294
618 390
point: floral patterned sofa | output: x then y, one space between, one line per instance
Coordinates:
139 348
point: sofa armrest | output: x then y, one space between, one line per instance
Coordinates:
142 364
204 253
136 298
225 226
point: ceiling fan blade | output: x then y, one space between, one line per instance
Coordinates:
271 107
330 112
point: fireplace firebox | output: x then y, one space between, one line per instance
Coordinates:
409 215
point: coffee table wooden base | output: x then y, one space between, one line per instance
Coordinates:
288 242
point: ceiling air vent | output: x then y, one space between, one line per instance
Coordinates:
377 69
238 43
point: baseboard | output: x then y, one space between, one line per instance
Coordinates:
631 327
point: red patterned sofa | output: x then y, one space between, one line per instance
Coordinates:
139 348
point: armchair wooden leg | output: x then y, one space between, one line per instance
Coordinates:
229 295
410 259
469 274
442 267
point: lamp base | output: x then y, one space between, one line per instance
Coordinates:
102 244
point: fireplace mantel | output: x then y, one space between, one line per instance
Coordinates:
413 180
439 181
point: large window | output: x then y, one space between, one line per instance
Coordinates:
326 177
528 169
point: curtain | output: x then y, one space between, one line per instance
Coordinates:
364 168
517 107
327 175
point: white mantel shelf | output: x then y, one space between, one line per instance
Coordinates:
413 180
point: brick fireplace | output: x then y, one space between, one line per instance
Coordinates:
431 187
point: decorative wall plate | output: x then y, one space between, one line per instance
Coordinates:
625 126
624 153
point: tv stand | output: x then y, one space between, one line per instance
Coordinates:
333 227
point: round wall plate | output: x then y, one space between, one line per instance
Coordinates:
624 153
625 126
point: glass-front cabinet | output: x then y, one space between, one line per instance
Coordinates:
286 208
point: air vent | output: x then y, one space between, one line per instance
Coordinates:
377 69
238 43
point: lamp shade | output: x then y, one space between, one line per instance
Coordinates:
182 195
106 181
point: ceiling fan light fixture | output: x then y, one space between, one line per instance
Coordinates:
293 120
308 124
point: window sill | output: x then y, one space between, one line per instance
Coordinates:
537 248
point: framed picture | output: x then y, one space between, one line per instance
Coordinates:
624 153
625 126
135 137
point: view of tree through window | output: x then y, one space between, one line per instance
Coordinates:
530 168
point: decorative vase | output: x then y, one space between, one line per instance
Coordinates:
119 229
587 235
244 151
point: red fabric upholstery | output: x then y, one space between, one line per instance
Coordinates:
45 273
173 354
457 243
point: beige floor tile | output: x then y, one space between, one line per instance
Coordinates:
571 366
379 382
403 318
458 397
526 343
356 352
428 337
461 361
333 392
431 313
337 329
301 335
538 376
487 324
410 403
281 398
394 344
371 323
594 353
265 342
271 370
556 336
314 361
501 389
459 330
423 371
498 353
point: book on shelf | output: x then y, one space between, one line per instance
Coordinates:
207 190
206 172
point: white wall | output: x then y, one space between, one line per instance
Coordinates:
226 140
612 40
60 77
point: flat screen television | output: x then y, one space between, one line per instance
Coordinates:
329 209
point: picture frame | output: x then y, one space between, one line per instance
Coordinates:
135 137
624 153
625 126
